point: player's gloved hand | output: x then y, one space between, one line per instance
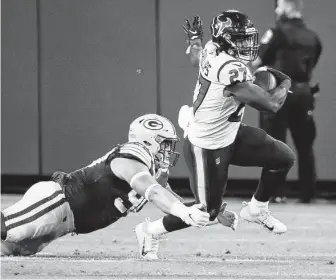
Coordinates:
196 216
283 79
280 92
194 28
227 218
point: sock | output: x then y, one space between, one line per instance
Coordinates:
270 181
156 227
256 206
172 223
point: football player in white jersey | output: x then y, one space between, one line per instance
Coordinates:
215 136
97 195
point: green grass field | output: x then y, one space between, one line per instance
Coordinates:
306 251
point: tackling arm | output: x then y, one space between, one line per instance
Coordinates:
139 178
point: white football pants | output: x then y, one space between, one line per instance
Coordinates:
41 216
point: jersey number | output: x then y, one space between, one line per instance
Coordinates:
236 116
238 75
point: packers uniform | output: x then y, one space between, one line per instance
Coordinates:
82 201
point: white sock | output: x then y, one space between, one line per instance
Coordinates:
156 227
256 206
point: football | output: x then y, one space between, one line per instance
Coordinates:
265 79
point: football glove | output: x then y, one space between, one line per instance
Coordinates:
227 218
278 74
194 30
196 216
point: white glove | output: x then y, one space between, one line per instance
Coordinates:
195 217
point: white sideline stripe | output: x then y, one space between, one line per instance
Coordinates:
302 240
62 259
36 210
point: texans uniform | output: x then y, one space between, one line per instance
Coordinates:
216 136
82 201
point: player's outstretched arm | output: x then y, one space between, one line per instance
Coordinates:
256 97
137 175
194 32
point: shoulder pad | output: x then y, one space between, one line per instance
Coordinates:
137 151
211 48
233 71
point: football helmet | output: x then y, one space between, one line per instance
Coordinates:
235 34
158 134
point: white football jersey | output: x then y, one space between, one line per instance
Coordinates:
216 117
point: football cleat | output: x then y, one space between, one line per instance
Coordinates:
227 218
263 218
148 243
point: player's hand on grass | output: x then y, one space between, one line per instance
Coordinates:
196 216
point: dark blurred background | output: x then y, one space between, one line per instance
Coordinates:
75 73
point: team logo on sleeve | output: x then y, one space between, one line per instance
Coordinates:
153 124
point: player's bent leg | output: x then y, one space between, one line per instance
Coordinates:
256 148
278 162
43 212
273 176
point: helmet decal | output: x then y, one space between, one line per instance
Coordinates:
220 25
153 124
158 134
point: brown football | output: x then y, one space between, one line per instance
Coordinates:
265 79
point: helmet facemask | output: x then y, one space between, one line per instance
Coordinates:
166 156
243 46
236 35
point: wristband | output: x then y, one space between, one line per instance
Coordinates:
137 175
148 190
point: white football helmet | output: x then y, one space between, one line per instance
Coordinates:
158 134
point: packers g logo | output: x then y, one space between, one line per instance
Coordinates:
153 124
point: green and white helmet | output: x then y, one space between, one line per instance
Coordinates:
158 134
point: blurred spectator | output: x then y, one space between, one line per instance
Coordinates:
293 49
